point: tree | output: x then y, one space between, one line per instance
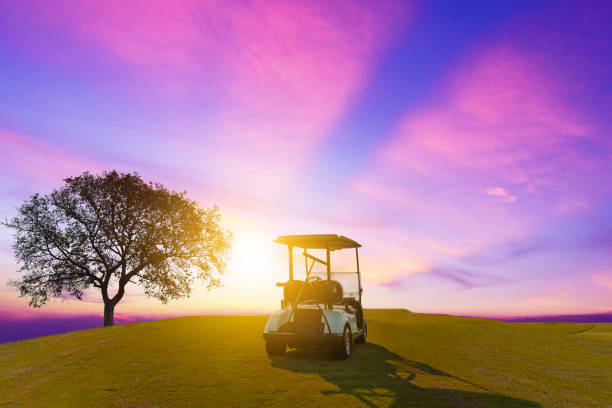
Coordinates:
106 231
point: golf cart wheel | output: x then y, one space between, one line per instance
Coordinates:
362 339
274 348
345 347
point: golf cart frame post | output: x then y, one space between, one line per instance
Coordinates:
358 273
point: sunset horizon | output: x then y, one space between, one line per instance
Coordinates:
466 147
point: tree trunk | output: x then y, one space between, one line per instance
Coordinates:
109 313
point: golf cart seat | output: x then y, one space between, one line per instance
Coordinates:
319 291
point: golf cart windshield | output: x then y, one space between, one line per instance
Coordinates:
343 283
348 280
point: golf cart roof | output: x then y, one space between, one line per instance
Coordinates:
317 241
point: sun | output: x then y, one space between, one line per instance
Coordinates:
253 257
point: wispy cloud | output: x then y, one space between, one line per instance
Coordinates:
468 279
30 160
604 280
499 115
464 278
279 74
511 251
501 193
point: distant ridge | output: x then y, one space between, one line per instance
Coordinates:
577 318
15 330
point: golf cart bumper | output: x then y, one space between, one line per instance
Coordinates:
295 339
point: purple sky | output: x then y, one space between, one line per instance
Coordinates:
466 146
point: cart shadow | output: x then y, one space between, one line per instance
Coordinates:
378 377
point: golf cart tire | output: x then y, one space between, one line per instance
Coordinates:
345 347
364 336
275 348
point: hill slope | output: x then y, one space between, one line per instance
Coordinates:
414 360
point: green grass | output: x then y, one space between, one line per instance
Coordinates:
412 360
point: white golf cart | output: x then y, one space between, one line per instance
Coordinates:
322 310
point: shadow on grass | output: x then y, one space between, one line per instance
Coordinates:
378 377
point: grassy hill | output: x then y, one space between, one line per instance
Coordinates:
413 360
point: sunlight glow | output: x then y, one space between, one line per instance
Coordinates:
252 259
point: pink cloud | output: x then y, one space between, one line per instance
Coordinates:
281 74
389 266
509 87
571 206
25 158
603 280
501 193
498 118
497 113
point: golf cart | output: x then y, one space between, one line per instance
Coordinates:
324 309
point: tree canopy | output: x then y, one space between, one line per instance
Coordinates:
107 231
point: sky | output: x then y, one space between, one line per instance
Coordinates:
466 145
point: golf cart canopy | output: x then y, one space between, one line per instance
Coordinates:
318 241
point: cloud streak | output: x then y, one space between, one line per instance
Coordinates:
287 69
463 278
33 161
